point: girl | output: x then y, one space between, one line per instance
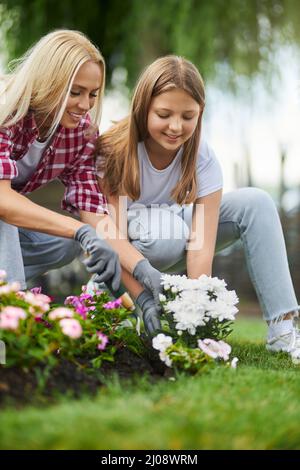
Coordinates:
44 122
173 187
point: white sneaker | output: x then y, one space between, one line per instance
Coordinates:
288 342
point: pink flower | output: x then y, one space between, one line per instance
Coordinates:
10 316
8 323
39 303
215 349
8 288
71 327
61 312
14 312
103 340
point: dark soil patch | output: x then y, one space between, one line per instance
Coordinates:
40 386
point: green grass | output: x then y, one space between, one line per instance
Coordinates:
256 406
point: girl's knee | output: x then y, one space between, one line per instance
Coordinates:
160 235
154 224
253 201
256 197
162 254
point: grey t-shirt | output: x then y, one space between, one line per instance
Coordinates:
157 185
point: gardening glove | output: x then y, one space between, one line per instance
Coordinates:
150 278
115 292
102 258
150 313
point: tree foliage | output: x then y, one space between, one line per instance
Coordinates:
234 36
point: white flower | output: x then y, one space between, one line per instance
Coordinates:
161 342
176 281
234 362
220 310
162 297
165 358
197 301
229 297
2 275
188 310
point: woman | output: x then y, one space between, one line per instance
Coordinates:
44 123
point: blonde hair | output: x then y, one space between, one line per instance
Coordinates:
41 80
117 148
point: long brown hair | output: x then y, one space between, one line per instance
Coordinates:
117 148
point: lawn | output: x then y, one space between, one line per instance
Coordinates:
256 406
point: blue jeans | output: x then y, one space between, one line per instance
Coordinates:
248 214
24 254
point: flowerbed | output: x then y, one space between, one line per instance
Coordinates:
36 331
51 346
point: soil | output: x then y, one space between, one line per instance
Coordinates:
23 386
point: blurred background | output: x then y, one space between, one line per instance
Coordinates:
248 54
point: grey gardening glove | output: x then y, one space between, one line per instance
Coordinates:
150 278
116 293
102 259
150 313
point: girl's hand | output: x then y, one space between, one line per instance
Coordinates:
150 278
150 313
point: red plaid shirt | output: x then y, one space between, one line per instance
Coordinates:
69 157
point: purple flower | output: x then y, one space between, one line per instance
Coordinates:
85 297
81 309
77 302
70 300
103 340
36 290
113 304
